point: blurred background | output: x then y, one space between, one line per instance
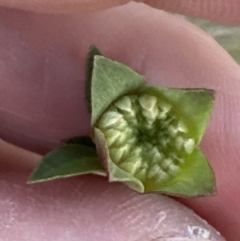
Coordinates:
227 36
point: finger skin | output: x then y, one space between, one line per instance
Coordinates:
89 208
51 51
220 11
13 158
65 6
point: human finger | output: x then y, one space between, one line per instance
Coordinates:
52 49
221 11
88 208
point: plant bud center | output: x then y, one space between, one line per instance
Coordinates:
145 137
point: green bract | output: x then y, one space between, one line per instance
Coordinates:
146 137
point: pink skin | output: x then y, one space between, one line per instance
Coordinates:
41 102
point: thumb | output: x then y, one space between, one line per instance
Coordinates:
88 208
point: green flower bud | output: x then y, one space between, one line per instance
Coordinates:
145 137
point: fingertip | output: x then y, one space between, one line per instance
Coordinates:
91 209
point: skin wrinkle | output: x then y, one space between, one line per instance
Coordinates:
20 134
31 121
162 50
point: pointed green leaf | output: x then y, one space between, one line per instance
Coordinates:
110 80
66 161
196 178
89 68
194 106
80 140
115 173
